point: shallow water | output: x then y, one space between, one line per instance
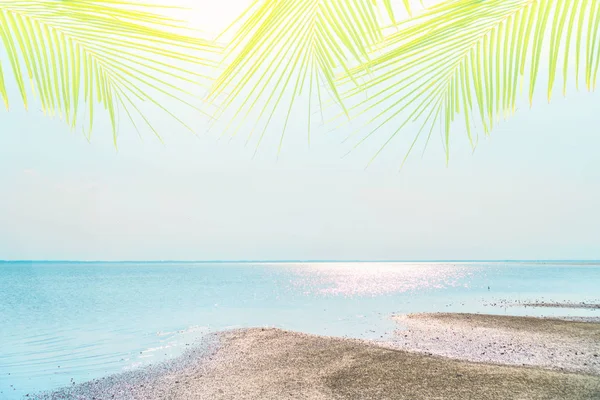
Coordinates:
71 322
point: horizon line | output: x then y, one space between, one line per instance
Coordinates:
283 261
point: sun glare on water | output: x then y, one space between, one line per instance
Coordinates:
373 279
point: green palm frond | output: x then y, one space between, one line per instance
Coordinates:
285 49
80 53
470 57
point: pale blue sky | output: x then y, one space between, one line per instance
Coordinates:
530 191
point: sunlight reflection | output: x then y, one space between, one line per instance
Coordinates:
372 279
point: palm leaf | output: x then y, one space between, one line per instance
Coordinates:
79 53
285 49
469 57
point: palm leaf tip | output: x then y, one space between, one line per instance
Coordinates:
288 49
468 58
81 53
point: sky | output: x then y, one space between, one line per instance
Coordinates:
530 191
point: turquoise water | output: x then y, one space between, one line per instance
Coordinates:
64 322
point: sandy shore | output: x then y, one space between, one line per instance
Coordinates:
550 343
274 364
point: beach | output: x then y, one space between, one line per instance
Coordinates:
268 363
551 343
81 322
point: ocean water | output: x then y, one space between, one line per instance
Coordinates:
71 322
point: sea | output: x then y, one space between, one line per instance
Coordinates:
63 323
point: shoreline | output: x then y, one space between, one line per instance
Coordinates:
583 305
268 363
594 306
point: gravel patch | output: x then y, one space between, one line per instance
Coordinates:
542 342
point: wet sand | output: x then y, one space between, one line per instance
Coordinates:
274 364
